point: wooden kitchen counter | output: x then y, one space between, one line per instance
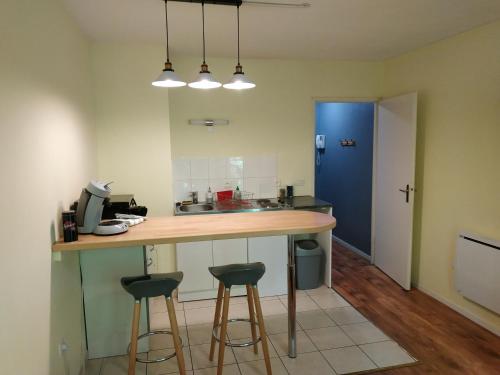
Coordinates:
190 228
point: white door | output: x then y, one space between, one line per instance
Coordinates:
394 186
193 259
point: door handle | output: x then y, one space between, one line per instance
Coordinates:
407 192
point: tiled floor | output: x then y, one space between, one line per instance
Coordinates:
332 338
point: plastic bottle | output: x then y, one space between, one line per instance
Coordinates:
209 198
237 193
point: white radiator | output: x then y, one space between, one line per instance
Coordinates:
477 270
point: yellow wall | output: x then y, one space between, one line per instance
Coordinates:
46 156
458 153
133 130
276 117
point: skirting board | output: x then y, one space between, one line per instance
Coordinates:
352 248
459 309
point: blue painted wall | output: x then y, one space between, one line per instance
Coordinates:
344 176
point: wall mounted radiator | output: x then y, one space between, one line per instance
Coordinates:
477 270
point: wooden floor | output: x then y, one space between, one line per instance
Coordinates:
442 340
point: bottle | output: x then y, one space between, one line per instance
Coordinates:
237 194
209 198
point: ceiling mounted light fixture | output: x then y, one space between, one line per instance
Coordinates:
239 81
168 78
205 79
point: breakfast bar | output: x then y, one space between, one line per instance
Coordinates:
179 229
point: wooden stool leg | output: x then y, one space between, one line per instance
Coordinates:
252 316
223 331
216 319
262 330
176 336
133 339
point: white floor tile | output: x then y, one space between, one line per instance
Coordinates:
247 354
303 303
276 323
227 370
200 316
199 304
199 354
93 366
259 367
345 315
364 333
161 320
329 300
314 319
387 353
157 342
329 338
170 366
280 343
119 366
273 307
200 333
307 363
347 360
323 289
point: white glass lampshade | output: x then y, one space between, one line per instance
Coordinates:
205 80
239 82
168 78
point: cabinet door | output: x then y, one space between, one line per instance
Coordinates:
193 259
272 251
230 251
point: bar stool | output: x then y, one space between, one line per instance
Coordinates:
146 286
238 274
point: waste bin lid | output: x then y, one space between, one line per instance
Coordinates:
304 248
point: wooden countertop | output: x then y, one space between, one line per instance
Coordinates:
174 229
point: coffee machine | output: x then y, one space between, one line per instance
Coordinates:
89 211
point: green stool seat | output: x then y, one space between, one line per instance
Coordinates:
238 274
146 286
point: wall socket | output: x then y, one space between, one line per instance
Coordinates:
63 347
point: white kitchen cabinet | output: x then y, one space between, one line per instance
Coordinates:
193 259
229 251
272 251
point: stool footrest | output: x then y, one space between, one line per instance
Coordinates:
155 360
239 345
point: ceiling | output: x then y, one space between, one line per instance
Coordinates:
329 29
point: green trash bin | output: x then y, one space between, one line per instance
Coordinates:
309 264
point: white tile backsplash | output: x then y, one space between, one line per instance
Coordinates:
255 174
181 169
199 168
217 168
234 167
181 190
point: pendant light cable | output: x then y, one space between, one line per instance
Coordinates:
166 29
203 23
238 18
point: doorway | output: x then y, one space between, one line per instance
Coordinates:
344 169
365 167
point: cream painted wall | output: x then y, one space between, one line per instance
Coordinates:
458 154
276 117
46 155
133 129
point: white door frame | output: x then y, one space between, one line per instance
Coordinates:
374 101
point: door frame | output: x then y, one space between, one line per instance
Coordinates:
374 101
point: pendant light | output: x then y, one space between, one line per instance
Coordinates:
205 79
168 78
239 81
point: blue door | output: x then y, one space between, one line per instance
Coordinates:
343 173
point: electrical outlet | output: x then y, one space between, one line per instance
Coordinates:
63 347
299 183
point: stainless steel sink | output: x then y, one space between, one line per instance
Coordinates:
196 207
